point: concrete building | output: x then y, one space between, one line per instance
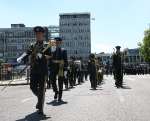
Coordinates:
15 40
133 56
130 57
105 57
76 34
53 31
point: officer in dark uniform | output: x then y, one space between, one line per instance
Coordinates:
92 71
74 71
118 67
59 66
38 67
86 71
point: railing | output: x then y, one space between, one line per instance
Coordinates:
11 74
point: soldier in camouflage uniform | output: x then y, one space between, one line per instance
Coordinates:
92 71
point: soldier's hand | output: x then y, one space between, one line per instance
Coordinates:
21 57
48 57
39 55
19 60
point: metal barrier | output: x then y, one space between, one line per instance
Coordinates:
8 72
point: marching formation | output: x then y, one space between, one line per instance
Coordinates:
50 68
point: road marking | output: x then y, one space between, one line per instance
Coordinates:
25 100
121 98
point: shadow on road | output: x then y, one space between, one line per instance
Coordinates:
96 89
34 117
67 89
56 103
126 87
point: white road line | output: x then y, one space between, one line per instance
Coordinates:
27 99
121 98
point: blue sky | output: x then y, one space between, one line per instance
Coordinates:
117 22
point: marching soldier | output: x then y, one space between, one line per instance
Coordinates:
86 72
38 67
99 74
118 67
79 72
69 81
59 66
92 71
49 82
73 71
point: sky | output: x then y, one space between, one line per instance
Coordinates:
117 22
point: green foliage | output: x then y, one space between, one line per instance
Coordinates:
145 46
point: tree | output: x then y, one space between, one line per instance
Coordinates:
145 46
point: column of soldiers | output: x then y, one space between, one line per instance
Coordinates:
40 57
134 69
76 74
95 71
48 65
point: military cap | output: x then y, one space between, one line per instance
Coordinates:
38 29
58 39
118 47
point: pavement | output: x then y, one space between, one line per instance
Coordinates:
107 103
14 82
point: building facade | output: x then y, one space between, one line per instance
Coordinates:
76 34
17 39
133 56
53 31
105 58
130 57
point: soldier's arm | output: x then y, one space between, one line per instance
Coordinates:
25 55
48 54
65 58
88 68
113 60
